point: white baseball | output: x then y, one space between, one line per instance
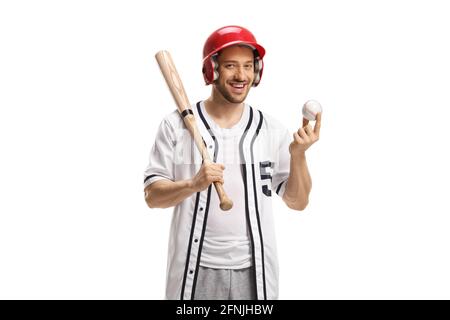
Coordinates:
310 109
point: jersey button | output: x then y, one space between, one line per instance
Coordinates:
191 271
195 240
210 146
201 209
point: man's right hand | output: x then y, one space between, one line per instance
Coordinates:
209 172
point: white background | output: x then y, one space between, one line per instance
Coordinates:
81 98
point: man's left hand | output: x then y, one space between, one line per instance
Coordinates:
305 136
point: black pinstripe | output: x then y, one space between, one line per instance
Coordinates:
205 218
244 177
256 204
194 218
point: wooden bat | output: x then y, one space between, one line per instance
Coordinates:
175 85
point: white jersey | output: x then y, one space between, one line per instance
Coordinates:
264 166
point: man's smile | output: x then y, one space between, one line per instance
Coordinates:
238 87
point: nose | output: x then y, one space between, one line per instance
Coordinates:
239 75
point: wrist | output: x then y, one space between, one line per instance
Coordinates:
296 153
190 185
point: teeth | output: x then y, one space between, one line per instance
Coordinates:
238 85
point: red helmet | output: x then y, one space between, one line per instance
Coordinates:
226 37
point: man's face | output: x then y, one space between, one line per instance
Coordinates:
236 73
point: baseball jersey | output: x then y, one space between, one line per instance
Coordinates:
264 164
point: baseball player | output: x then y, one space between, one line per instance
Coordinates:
215 254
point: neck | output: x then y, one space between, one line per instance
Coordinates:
226 114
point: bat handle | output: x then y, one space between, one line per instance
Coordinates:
225 202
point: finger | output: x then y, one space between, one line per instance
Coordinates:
217 179
318 123
308 130
220 165
305 122
302 133
217 164
218 168
215 172
298 139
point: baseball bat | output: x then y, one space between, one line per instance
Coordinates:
175 85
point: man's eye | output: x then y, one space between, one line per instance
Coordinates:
229 65
248 66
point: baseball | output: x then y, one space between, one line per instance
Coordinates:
310 109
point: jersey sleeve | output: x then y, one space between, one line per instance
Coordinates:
282 164
161 158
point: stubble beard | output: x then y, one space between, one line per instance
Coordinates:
229 97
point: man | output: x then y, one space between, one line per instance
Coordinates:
216 254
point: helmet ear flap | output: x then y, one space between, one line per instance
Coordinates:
210 70
215 67
258 66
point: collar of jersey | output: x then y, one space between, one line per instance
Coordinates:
239 126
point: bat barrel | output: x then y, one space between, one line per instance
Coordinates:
173 80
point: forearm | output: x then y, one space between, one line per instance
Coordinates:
166 193
299 183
